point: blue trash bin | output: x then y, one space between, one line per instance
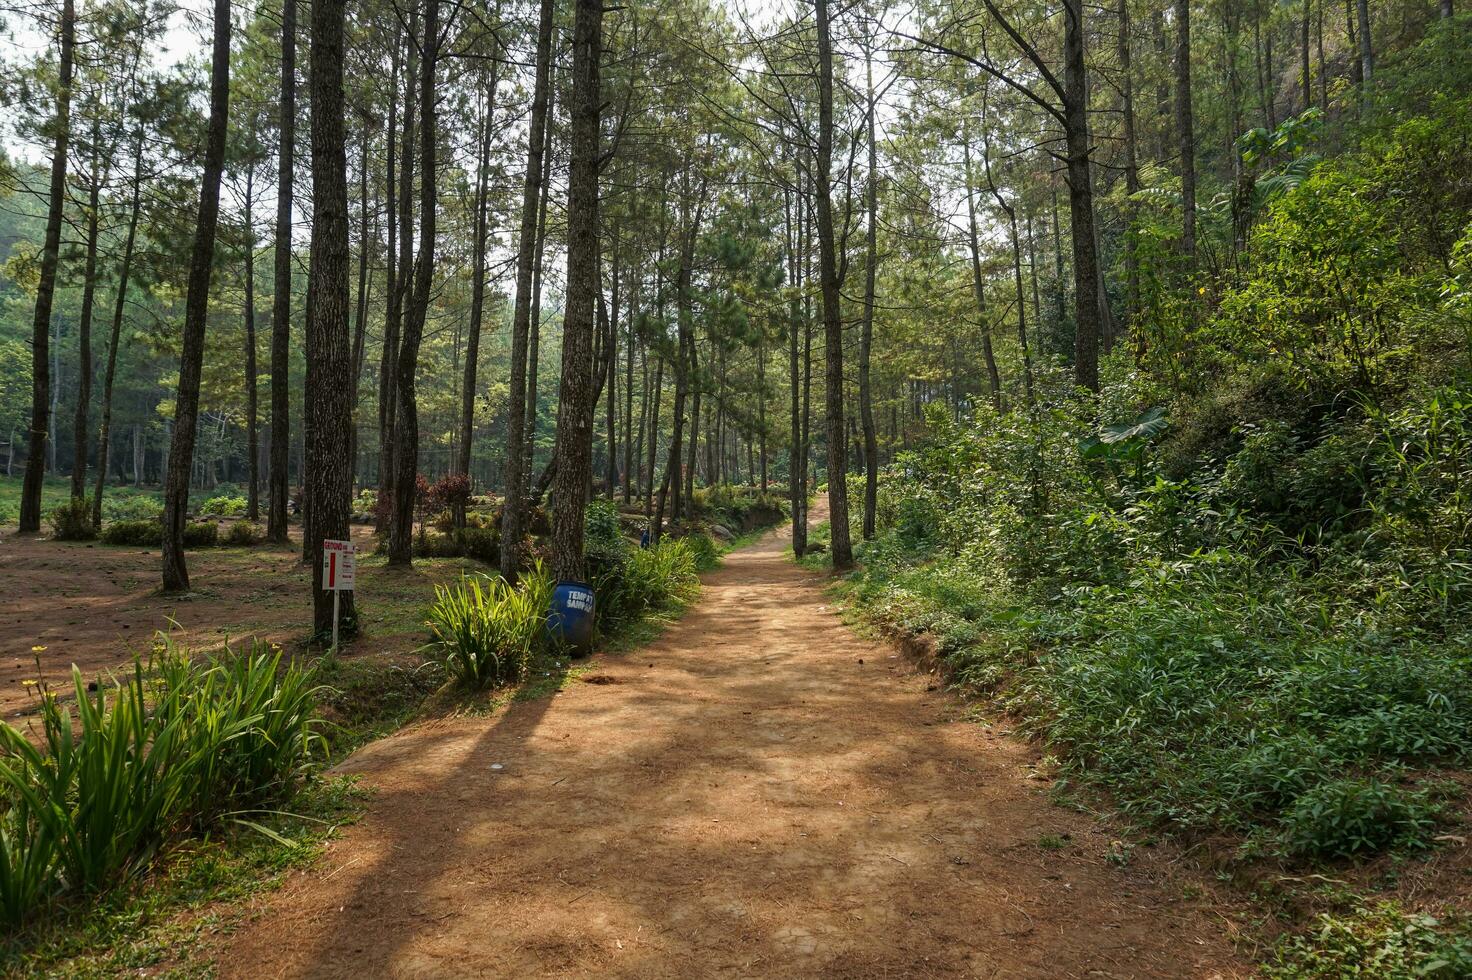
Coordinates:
571 619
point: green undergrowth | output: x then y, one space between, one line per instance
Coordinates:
162 925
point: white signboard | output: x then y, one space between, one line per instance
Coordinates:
337 566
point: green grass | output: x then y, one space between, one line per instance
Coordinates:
118 502
160 924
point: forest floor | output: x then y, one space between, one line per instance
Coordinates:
97 606
758 792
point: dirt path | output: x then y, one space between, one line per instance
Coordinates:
760 793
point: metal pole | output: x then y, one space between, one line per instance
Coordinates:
336 599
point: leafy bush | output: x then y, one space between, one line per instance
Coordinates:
201 534
451 492
178 745
72 521
141 533
1383 941
703 549
643 580
1350 816
482 544
603 538
131 507
244 534
487 629
223 506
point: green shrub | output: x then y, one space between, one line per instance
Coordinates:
131 507
178 745
1383 941
482 544
244 534
72 521
1351 816
487 629
141 533
602 536
201 534
643 580
703 549
223 506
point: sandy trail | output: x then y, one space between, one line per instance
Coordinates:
759 793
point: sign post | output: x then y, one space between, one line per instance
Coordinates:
338 574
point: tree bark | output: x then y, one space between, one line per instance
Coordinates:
196 307
360 318
796 462
866 339
252 405
574 444
521 409
978 286
406 432
277 489
1131 166
1367 47
1185 129
477 290
30 501
401 294
330 377
1086 276
125 268
84 331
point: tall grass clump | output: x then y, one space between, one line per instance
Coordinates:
487 628
644 580
176 746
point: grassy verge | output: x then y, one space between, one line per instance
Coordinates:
161 924
1246 711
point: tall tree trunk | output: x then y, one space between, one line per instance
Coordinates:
522 407
330 378
761 405
795 462
30 500
84 332
1131 169
1307 80
1185 130
277 490
402 293
360 318
652 448
392 274
1356 65
574 446
1367 47
477 290
611 360
841 550
534 338
1087 287
406 432
125 268
978 286
634 284
866 337
695 387
252 406
196 307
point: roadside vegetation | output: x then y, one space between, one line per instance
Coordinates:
1235 599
